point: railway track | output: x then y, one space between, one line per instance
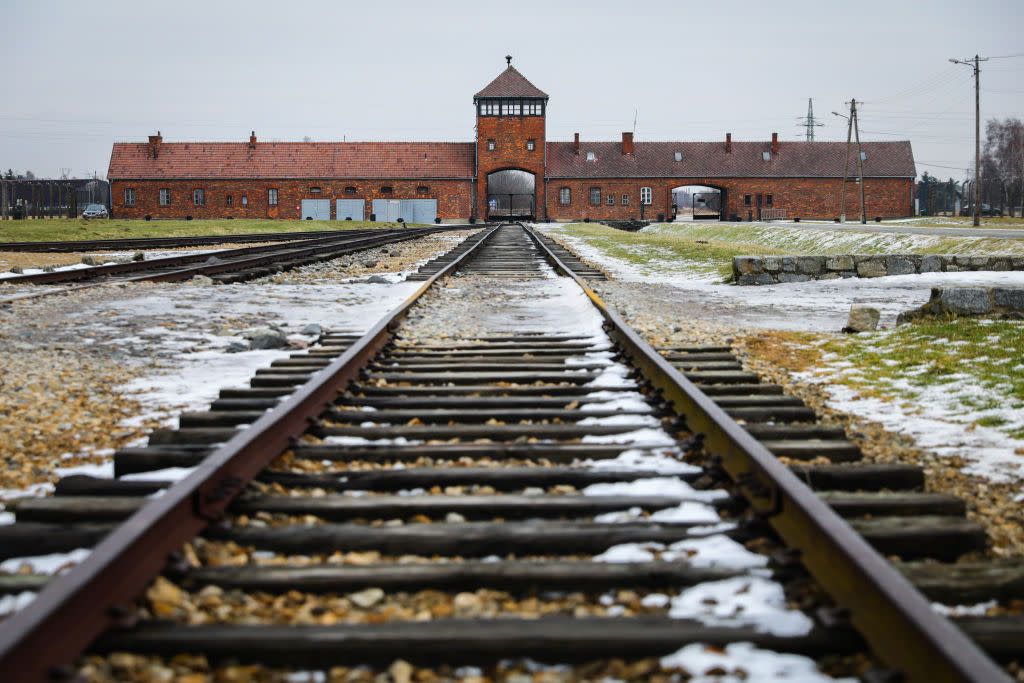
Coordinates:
498 491
124 244
231 265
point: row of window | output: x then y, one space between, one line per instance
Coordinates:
767 199
199 195
565 197
531 145
510 107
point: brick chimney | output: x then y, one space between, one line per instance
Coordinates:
728 142
576 144
154 144
627 143
775 143
252 140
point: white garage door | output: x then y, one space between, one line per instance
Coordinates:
317 209
350 208
419 210
389 210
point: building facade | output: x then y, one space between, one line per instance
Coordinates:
509 170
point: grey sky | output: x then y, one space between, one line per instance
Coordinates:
82 75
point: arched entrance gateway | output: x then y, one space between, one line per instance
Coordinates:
511 193
699 202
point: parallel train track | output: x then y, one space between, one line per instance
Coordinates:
466 455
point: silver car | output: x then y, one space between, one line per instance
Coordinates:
95 211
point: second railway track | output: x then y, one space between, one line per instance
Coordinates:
438 490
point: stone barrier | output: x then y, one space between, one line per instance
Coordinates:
770 270
997 302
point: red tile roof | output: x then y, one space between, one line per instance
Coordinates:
710 160
511 83
293 160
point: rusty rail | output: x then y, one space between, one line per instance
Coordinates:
894 618
96 594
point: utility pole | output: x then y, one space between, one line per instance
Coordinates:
977 130
846 164
860 160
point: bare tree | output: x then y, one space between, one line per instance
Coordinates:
1003 160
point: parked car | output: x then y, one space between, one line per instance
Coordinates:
986 210
95 211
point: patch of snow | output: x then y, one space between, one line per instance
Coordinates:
741 601
9 604
103 470
171 474
976 610
743 662
45 564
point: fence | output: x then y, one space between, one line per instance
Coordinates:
773 214
30 198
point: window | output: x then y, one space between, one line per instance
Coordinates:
199 196
490 145
679 156
488 108
228 199
511 108
625 200
746 199
768 199
610 199
245 200
760 199
645 195
595 196
314 190
350 189
531 145
564 197
422 189
533 108
863 156
386 189
272 196
591 156
767 156
129 196
165 196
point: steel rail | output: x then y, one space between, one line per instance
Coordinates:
893 617
117 243
40 642
296 247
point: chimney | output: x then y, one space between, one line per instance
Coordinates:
627 143
728 142
775 143
576 144
154 144
252 140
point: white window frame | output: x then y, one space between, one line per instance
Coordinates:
199 196
511 108
625 200
646 196
490 145
591 156
610 199
595 192
531 145
129 196
531 108
165 196
565 196
272 196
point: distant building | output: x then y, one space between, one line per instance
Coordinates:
510 170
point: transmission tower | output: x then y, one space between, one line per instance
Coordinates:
809 121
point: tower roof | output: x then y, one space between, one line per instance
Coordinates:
511 83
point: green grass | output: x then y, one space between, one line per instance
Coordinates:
64 229
979 364
665 251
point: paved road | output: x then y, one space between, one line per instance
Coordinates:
1002 233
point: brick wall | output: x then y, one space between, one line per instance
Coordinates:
453 197
800 197
510 134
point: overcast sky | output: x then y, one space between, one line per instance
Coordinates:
81 75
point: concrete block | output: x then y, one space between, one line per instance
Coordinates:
793 277
771 264
745 265
931 264
966 300
788 263
873 267
810 265
897 265
1011 298
839 263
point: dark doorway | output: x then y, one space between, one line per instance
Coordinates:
511 194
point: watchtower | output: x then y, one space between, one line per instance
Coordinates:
510 147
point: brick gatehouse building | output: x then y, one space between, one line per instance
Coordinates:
511 169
